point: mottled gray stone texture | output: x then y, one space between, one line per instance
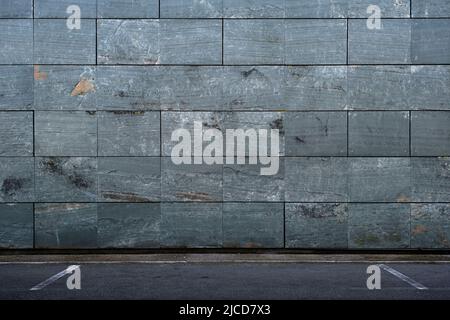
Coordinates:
316 225
65 225
16 226
129 225
253 225
87 122
379 226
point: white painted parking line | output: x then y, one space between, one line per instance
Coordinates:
52 279
403 277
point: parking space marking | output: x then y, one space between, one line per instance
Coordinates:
55 277
403 277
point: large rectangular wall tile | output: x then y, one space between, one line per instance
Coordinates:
64 88
313 225
172 121
60 8
16 87
143 9
379 226
187 88
66 179
185 41
430 133
16 41
68 133
316 9
316 41
191 182
366 82
191 9
315 88
430 9
245 182
430 88
253 88
254 8
128 42
389 45
378 133
191 225
316 133
55 43
135 179
17 9
125 225
66 225
316 180
128 133
253 225
17 179
380 180
254 42
430 41
430 179
16 133
430 226
128 88
16 226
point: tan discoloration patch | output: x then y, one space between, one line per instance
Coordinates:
194 196
38 75
419 229
61 207
124 197
82 88
403 199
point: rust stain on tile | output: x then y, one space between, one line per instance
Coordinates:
38 75
194 196
83 87
419 229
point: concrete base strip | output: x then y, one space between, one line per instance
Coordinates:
54 278
402 277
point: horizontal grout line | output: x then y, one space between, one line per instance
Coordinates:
228 65
224 201
231 18
226 110
246 157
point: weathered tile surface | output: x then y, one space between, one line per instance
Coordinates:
128 133
63 179
135 179
125 225
430 179
378 133
430 9
17 9
16 41
16 179
16 87
378 226
191 182
54 43
430 43
191 225
71 133
314 225
380 180
316 41
189 41
60 8
66 225
254 8
430 226
253 225
389 8
254 42
64 88
127 8
316 9
389 45
244 182
430 88
16 226
191 9
316 179
16 133
430 133
316 133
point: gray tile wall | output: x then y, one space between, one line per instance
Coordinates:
86 118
